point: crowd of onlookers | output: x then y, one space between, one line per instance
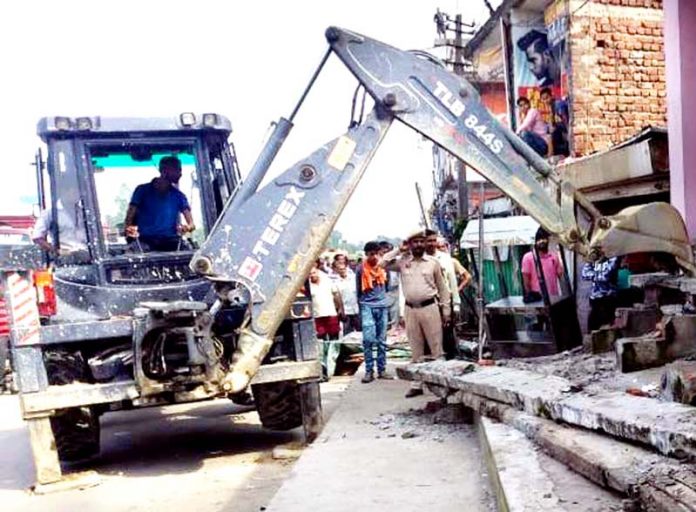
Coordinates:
416 285
336 291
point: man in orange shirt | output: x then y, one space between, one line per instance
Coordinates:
371 283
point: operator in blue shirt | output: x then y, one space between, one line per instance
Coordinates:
153 213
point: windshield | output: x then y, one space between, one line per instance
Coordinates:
119 170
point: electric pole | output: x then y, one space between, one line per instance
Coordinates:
455 58
462 186
426 224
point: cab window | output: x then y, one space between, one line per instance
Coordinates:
119 169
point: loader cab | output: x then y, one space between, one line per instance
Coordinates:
93 166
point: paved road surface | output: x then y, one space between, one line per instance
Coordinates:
381 452
209 456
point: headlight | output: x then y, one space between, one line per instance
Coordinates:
84 123
210 120
63 123
187 119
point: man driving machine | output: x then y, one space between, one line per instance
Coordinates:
153 213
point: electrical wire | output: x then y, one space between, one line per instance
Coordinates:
580 7
353 122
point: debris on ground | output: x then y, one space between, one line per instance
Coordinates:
435 422
454 414
579 368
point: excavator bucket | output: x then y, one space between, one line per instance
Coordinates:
653 227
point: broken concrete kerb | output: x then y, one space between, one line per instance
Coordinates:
670 428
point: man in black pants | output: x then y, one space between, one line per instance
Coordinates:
603 273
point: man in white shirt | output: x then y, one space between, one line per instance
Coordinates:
326 307
340 258
71 238
445 260
345 282
462 274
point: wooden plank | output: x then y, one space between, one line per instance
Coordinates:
71 395
287 371
43 447
670 428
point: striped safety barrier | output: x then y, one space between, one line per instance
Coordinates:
23 309
4 320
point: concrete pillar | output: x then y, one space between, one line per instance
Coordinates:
680 56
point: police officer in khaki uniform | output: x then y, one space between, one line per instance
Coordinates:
426 293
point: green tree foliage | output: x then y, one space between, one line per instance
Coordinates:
336 241
122 198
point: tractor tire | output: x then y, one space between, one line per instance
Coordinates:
5 367
76 430
278 404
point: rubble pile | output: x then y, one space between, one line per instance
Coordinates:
580 368
437 421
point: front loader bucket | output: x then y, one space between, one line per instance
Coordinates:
653 227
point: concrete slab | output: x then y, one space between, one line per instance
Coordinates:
605 461
601 340
529 480
520 483
678 383
640 353
593 373
637 321
668 427
380 451
644 479
680 331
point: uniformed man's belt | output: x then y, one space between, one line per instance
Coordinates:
417 305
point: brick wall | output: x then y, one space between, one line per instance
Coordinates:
618 71
651 4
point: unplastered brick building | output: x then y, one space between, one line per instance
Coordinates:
596 71
618 71
601 60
